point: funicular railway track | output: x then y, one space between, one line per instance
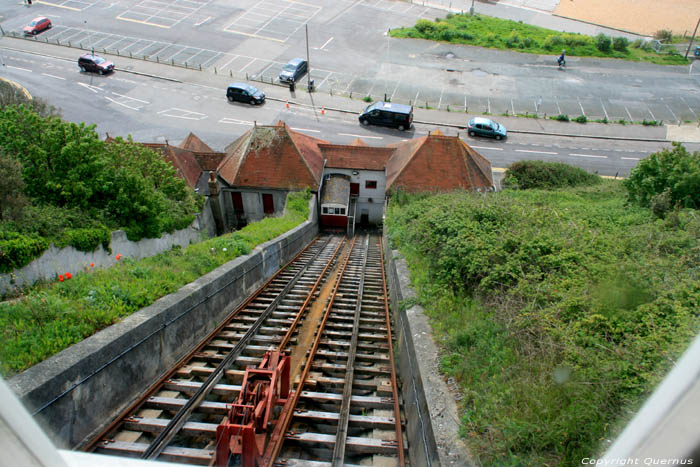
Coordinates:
229 401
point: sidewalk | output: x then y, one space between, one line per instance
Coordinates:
457 120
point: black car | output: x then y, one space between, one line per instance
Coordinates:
387 114
293 70
243 92
91 62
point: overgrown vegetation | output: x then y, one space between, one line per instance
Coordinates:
60 183
51 317
539 174
486 31
558 311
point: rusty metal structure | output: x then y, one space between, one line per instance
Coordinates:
302 373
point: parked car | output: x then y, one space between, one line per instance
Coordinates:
91 62
244 93
484 127
293 70
697 52
387 114
37 25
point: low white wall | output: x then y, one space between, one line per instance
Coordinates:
56 261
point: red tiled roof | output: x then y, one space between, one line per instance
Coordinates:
437 163
355 157
185 164
193 143
209 160
273 157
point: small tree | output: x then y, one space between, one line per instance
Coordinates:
620 44
12 199
603 43
675 170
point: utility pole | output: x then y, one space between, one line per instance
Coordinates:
471 10
691 39
308 62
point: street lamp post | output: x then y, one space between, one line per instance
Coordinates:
471 10
691 39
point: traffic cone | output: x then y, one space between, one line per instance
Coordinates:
323 111
287 103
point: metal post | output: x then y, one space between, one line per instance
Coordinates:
471 10
308 61
691 38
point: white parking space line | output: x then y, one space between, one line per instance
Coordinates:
652 115
588 155
360 136
486 147
53 76
689 107
629 114
18 68
537 152
327 42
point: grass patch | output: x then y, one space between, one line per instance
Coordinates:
54 316
557 311
497 33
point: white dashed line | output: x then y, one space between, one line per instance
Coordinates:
360 136
132 98
630 158
18 68
233 121
588 155
306 129
94 89
537 152
486 147
53 76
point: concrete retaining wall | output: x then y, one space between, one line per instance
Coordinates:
55 261
77 392
432 420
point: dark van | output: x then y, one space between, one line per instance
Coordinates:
387 114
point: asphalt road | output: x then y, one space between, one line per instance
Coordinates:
152 109
352 55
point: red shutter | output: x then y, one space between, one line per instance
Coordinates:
268 204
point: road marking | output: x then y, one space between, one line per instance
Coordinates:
59 6
94 89
486 147
630 158
143 22
327 42
652 115
583 112
18 68
684 101
186 117
603 106
360 136
588 155
123 105
132 98
536 152
669 109
629 114
498 169
305 129
53 76
234 121
203 21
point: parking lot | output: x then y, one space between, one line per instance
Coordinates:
273 19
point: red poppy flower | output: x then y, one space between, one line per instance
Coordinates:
69 275
60 277
118 257
92 265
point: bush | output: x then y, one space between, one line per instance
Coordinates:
88 239
620 44
646 122
603 43
539 174
553 42
581 119
513 40
675 170
664 35
16 251
661 203
560 118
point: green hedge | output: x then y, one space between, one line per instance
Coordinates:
16 250
540 174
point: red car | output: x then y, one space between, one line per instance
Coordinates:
37 25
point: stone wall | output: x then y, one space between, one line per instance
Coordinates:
76 393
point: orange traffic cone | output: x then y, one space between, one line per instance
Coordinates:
287 103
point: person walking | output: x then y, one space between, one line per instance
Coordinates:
562 58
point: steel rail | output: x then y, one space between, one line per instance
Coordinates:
288 335
277 439
394 387
341 434
91 446
164 437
